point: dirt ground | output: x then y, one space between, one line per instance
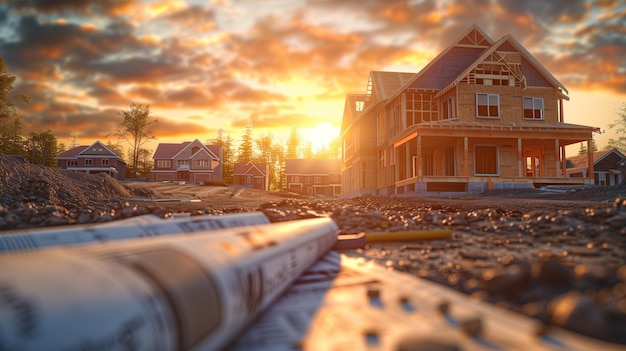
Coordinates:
182 196
188 197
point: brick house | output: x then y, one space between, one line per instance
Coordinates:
251 175
93 159
482 114
313 176
188 161
608 167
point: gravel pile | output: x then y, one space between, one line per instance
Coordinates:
35 196
562 263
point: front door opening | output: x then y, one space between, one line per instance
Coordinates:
534 162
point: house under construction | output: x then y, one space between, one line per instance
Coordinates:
483 114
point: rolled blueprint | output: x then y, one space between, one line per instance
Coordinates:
167 293
134 227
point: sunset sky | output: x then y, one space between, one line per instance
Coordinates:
209 65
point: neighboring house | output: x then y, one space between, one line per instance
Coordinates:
482 114
251 175
93 159
313 176
188 161
608 167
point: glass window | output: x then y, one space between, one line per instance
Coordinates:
488 105
533 108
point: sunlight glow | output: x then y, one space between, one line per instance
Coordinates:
320 136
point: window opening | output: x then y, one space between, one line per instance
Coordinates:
488 105
533 108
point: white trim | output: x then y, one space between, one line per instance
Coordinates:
533 98
488 96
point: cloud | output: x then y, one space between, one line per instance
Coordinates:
81 61
109 7
198 18
181 128
550 12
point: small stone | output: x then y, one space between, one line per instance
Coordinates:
577 312
551 273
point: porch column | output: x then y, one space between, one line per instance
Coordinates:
563 162
520 159
419 156
396 167
556 155
590 159
466 157
407 161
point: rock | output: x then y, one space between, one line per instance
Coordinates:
577 312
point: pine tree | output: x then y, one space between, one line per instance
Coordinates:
42 147
292 144
228 153
11 137
245 148
7 103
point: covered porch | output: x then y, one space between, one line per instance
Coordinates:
474 157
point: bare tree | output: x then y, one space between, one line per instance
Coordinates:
74 142
620 127
135 129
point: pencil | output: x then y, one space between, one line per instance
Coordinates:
409 235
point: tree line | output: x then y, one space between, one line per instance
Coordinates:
41 146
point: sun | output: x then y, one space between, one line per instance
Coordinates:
321 135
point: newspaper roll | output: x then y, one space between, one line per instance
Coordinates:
134 227
167 293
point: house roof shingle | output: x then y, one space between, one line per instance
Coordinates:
254 168
169 150
581 161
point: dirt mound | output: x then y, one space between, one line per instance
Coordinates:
598 193
22 182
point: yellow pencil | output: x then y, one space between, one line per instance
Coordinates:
409 235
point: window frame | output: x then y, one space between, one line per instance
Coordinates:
448 110
203 162
164 164
533 109
488 96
